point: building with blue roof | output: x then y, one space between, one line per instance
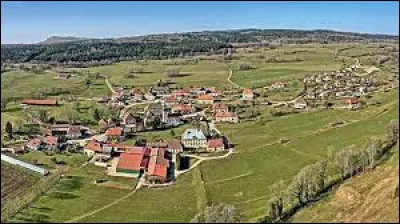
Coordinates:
194 138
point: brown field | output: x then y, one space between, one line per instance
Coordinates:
14 182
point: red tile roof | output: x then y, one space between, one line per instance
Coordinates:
95 146
160 171
215 143
225 114
117 131
171 99
175 144
39 102
182 107
352 101
206 97
34 142
219 106
51 140
180 92
130 161
248 92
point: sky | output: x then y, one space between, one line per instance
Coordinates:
31 22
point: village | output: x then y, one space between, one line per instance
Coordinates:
158 162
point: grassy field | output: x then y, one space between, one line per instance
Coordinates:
260 159
314 59
208 73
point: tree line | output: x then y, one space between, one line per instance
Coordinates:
313 180
105 52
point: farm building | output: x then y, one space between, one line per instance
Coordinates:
215 145
34 102
157 167
175 146
131 162
66 130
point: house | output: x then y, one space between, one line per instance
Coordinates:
248 94
215 145
149 97
228 117
182 109
137 97
180 93
300 103
66 130
43 102
51 142
220 108
103 124
93 147
194 138
173 121
159 90
171 100
128 123
131 162
114 133
175 146
154 108
197 90
205 99
216 93
34 144
353 103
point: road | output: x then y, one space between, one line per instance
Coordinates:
230 77
108 83
200 160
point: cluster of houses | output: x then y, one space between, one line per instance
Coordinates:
337 84
56 137
153 160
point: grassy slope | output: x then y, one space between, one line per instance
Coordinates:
365 198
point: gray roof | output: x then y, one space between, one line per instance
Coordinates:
193 134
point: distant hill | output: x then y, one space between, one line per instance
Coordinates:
59 39
82 52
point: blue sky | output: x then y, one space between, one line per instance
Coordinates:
29 22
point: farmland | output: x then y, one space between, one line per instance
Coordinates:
244 179
14 182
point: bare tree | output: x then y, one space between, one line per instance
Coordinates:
392 132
